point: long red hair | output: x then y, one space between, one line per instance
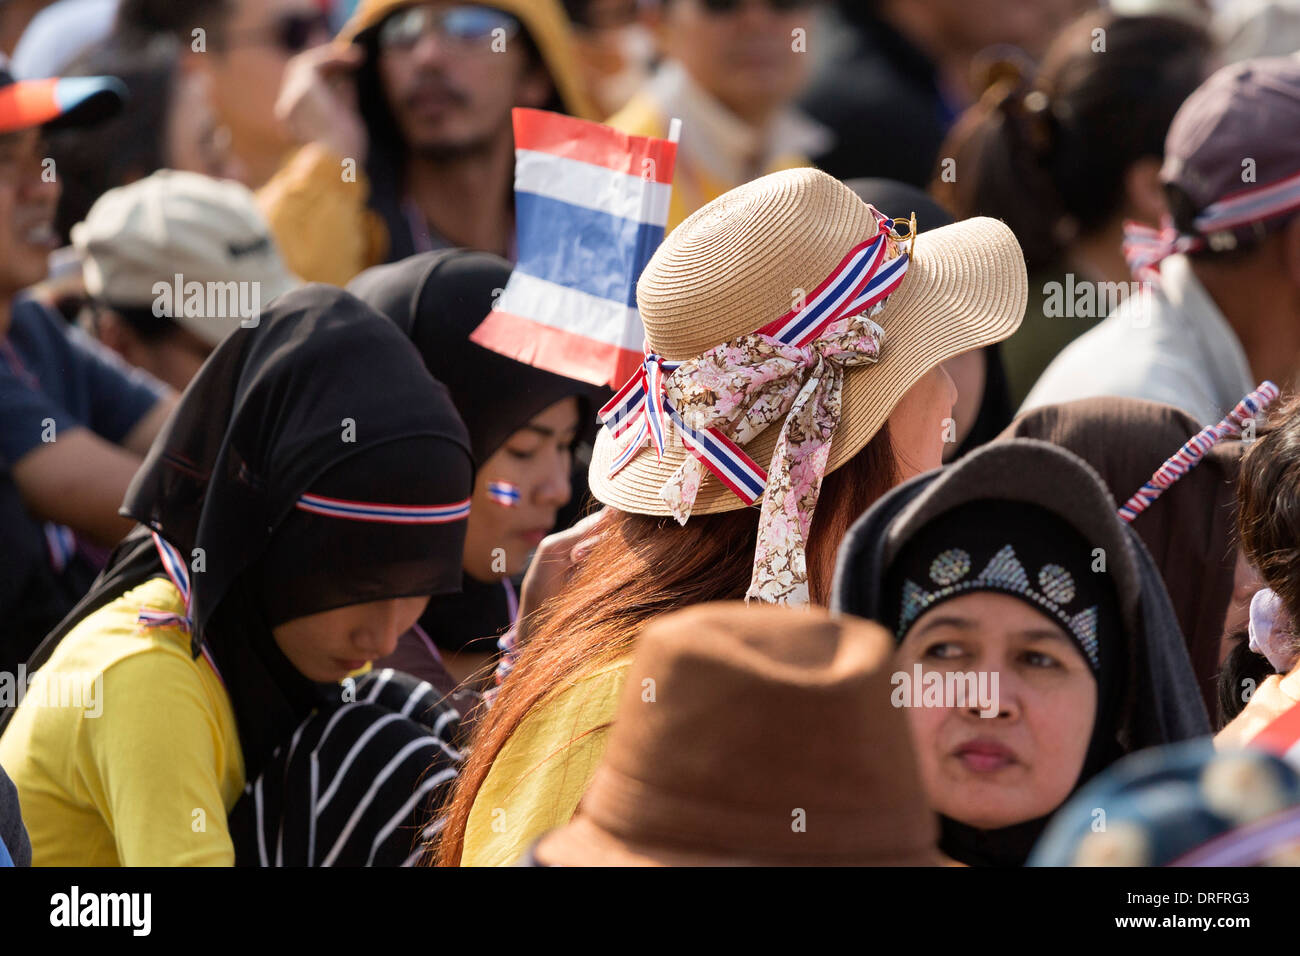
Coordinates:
643 567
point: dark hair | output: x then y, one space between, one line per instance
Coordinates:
1242 665
131 145
1049 157
138 21
640 568
149 328
1268 504
1268 514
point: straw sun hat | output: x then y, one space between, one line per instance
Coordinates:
739 263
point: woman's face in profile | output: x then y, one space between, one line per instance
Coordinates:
1023 759
921 422
537 463
328 646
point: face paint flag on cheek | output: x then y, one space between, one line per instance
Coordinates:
504 493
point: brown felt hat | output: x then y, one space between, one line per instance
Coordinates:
754 736
742 261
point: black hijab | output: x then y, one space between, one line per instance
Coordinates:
439 299
1146 687
277 480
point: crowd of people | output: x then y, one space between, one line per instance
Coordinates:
960 498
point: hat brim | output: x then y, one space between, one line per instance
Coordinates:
582 843
965 288
59 103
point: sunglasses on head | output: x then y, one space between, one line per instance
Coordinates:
776 6
464 25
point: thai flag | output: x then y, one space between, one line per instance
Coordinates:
591 207
503 493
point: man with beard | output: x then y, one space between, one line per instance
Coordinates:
730 73
406 126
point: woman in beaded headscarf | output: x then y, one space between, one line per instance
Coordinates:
1010 576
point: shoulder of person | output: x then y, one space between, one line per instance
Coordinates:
33 321
641 116
112 635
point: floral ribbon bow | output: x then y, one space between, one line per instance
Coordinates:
790 370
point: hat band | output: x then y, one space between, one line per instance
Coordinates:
791 370
1145 248
386 514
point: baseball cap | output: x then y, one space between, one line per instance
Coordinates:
1234 148
179 224
57 102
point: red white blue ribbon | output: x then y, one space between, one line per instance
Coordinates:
504 493
1186 458
863 278
62 544
1145 248
174 565
386 514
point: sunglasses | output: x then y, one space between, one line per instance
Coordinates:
464 26
292 32
296 32
719 7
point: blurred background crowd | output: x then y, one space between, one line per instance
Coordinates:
286 142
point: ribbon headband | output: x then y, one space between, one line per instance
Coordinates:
1145 248
386 514
1187 457
789 371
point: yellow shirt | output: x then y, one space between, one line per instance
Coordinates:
124 748
541 773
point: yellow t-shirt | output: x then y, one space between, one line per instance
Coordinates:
541 773
124 749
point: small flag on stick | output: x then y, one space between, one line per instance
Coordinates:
591 207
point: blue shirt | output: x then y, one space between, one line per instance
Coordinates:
53 378
51 372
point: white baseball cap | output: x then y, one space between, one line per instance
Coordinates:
178 228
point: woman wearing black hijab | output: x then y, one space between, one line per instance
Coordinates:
306 498
1012 565
531 433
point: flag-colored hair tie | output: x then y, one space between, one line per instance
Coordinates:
1187 457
